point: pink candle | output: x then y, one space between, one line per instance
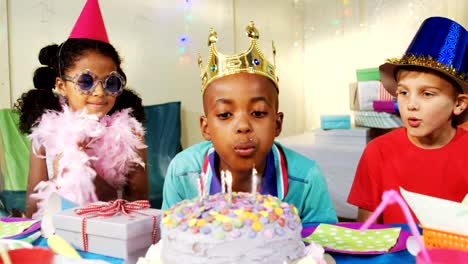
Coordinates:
206 191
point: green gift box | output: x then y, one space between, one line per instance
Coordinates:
369 74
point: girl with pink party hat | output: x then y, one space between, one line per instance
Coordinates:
85 126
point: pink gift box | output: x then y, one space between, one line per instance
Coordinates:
384 106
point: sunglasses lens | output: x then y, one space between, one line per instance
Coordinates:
113 84
85 81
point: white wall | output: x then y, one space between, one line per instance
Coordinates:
367 33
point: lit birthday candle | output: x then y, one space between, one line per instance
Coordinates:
254 182
229 186
223 181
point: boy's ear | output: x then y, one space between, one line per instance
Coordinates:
461 104
60 86
204 128
279 123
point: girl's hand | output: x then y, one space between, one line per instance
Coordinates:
55 165
137 187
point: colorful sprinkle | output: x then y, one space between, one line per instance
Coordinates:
279 231
220 235
237 223
263 220
278 211
236 233
268 234
248 221
195 229
227 227
201 222
238 211
263 213
281 222
252 234
192 222
183 227
257 226
205 230
292 225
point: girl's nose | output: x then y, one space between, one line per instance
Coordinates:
99 90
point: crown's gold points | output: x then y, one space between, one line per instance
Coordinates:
251 31
251 60
274 51
200 61
213 37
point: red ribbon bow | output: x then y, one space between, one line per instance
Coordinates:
113 208
110 209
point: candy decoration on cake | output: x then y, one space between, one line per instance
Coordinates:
250 228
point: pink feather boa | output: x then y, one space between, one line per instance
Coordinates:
86 147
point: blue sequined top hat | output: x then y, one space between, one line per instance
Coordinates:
440 44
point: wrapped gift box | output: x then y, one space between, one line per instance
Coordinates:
369 74
384 94
353 136
385 106
335 121
363 94
117 236
356 136
377 119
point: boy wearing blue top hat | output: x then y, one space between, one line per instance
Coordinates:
241 121
427 155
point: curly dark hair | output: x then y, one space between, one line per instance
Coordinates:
56 60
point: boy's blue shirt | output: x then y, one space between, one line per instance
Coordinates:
306 187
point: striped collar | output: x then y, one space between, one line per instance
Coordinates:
275 179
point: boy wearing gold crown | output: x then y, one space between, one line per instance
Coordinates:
241 121
428 155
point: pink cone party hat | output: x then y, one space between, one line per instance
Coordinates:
90 24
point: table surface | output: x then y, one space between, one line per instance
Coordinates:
398 257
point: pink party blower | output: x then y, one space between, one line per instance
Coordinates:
425 256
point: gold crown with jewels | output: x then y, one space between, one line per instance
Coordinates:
251 60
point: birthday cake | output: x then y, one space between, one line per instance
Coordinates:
247 230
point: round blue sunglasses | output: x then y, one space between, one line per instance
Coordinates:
86 81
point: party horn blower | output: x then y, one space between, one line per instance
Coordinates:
61 247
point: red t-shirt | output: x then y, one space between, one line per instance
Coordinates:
391 161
